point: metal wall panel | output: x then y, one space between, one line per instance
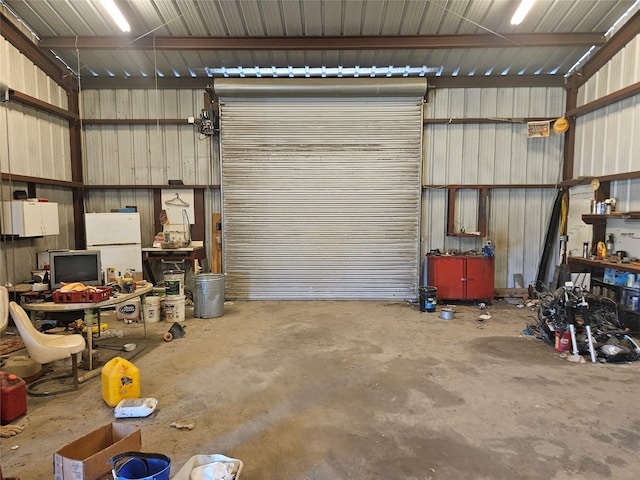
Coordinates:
146 154
578 232
495 153
627 195
33 143
519 220
626 232
321 197
105 200
621 71
18 256
607 141
517 224
22 75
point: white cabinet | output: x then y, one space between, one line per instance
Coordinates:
30 219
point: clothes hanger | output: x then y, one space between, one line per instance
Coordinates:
177 201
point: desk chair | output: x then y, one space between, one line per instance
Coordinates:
45 348
4 309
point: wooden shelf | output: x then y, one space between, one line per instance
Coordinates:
624 267
469 235
602 283
598 219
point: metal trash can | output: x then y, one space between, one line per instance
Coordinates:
208 295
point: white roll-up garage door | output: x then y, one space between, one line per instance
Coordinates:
321 187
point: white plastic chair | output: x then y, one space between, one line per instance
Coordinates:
44 348
4 309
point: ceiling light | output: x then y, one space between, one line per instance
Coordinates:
116 14
521 12
340 71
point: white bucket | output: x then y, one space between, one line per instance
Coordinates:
129 311
152 309
174 282
174 309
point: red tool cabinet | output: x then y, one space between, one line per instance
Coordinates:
461 277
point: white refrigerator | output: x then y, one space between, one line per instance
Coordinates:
118 237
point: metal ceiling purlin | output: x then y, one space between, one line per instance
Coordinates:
434 82
475 41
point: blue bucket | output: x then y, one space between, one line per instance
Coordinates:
140 466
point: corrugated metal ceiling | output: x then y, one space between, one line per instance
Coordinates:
68 26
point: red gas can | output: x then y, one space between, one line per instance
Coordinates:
13 397
563 341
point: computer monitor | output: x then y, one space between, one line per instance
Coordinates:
75 266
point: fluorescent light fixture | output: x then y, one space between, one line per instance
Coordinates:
340 71
521 12
116 14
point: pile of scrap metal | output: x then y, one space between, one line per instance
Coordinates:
593 322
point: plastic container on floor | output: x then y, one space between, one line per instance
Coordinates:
129 311
135 407
151 309
23 366
174 309
563 341
120 380
13 397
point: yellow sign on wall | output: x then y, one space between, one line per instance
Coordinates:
561 125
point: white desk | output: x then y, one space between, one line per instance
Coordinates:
90 310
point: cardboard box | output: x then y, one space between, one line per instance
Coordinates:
86 458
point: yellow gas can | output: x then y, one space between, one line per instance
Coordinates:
120 380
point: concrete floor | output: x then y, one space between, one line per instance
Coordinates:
363 390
